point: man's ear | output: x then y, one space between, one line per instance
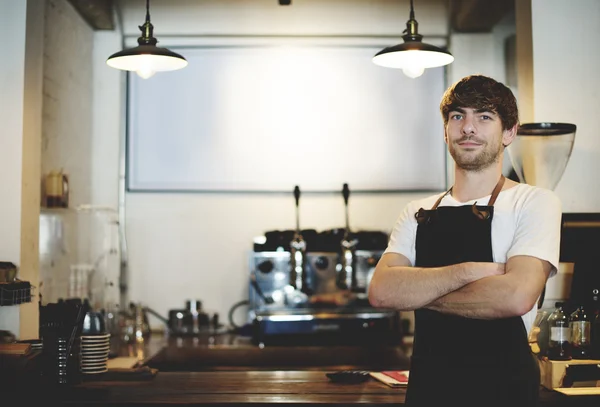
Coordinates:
509 135
445 136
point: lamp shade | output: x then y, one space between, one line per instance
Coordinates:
413 53
413 56
147 60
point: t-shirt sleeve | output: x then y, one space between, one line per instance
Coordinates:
402 238
538 228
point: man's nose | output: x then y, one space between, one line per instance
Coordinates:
468 126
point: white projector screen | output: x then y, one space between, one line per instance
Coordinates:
267 118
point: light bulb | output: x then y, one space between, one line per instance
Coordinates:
413 71
145 73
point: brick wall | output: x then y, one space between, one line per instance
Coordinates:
68 98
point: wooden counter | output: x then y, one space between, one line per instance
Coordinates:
235 384
228 352
294 388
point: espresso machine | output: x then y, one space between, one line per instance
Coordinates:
310 288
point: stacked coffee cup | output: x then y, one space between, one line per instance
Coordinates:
95 344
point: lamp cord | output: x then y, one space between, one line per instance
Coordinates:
147 37
412 27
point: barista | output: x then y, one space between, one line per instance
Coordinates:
472 262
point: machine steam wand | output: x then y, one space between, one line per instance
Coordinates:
298 252
347 275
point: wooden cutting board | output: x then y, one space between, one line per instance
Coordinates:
122 362
578 391
14 348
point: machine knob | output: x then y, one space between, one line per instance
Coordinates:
321 263
266 266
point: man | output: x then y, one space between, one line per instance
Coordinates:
472 262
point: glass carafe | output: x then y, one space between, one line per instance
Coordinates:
79 256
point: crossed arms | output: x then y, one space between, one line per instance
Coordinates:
473 290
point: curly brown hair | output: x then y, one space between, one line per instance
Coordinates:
481 93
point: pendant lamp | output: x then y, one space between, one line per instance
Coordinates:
412 56
146 59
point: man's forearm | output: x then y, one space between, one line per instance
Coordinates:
512 294
409 288
488 298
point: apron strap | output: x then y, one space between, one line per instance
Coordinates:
495 193
440 199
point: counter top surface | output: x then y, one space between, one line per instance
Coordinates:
242 383
235 388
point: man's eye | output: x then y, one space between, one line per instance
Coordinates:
485 117
456 116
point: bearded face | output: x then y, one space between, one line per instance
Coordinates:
480 156
475 138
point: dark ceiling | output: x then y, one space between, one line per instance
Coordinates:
467 16
97 13
471 16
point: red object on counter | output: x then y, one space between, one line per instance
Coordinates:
399 375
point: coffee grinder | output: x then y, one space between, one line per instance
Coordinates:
539 155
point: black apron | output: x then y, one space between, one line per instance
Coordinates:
465 361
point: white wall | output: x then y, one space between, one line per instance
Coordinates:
107 119
566 88
558 82
196 246
108 122
12 29
21 25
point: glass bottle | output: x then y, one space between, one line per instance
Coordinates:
580 325
595 311
559 347
596 337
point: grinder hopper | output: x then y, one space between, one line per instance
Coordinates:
541 151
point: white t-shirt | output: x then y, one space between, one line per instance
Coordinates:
526 221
